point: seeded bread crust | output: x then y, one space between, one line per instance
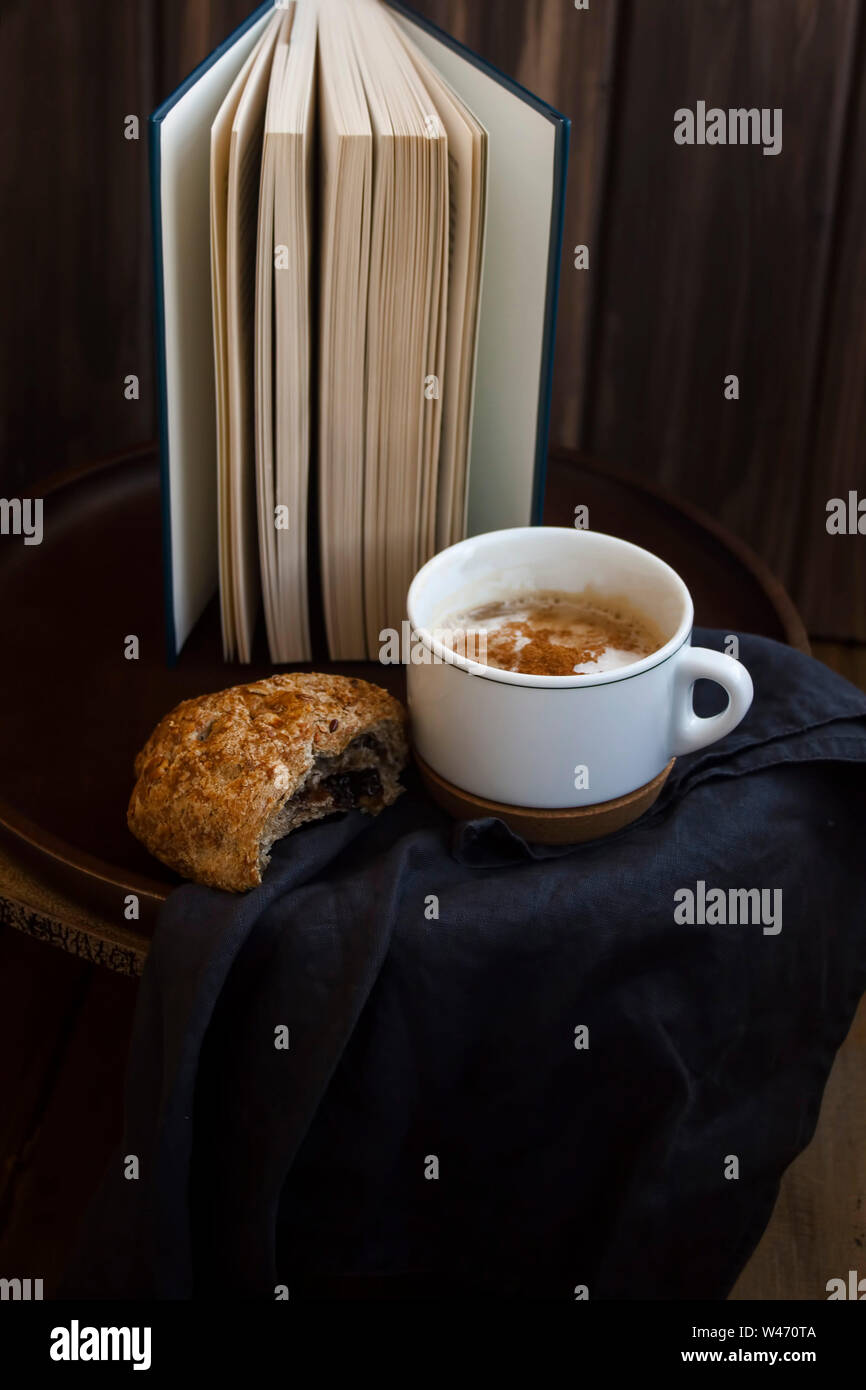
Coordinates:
217 776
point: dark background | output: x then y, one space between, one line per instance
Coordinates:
703 261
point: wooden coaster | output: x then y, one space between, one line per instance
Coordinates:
571 826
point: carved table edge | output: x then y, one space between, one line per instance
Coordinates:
89 945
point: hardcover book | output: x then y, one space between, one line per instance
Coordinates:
357 232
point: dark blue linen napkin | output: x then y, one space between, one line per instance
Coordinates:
511 1070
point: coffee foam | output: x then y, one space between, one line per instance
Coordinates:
552 632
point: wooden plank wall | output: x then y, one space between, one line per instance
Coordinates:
76 299
703 261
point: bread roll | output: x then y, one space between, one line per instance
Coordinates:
224 776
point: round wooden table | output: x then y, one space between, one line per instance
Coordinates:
75 711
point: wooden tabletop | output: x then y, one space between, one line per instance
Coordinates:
75 711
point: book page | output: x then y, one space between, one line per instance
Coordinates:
405 320
181 142
223 230
284 326
346 179
219 175
510 406
244 175
264 344
467 172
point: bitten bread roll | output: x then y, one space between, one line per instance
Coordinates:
224 776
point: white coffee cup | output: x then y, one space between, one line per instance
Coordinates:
559 741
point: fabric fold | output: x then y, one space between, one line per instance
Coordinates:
430 1059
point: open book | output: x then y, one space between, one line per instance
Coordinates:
357 371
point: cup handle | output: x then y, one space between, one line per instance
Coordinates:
690 731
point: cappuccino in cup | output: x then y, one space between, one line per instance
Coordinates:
555 633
